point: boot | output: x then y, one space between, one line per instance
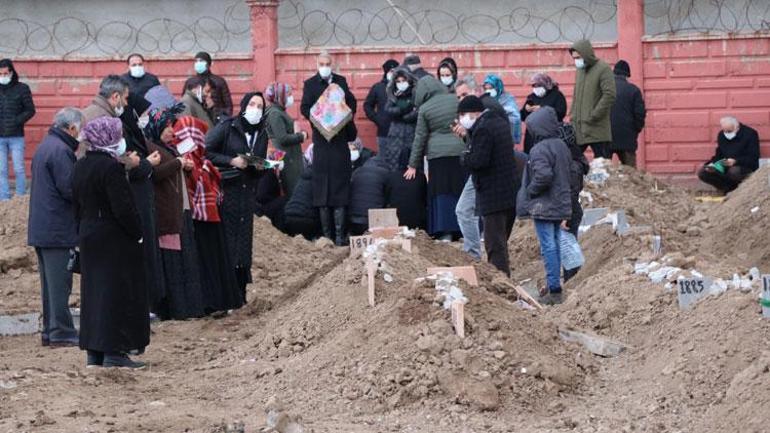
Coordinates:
94 358
326 222
340 232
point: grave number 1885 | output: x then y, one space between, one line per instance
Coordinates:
687 287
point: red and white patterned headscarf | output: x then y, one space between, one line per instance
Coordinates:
203 181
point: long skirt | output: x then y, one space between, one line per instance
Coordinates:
220 287
181 271
144 196
237 213
445 184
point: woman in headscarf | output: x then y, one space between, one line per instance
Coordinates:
220 287
447 73
114 314
181 271
545 93
227 146
403 114
359 154
493 86
281 130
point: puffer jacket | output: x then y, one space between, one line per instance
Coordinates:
593 97
368 190
545 190
437 109
16 108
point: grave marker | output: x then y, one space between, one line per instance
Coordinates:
766 295
360 243
371 271
385 232
458 318
383 218
467 273
690 290
622 227
592 216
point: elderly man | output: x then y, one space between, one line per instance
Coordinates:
52 229
737 156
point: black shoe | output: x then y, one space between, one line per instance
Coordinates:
94 358
44 341
340 232
67 342
326 222
121 360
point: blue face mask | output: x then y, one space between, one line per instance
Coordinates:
201 66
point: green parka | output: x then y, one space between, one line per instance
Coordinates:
593 97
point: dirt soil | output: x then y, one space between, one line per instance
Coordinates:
308 353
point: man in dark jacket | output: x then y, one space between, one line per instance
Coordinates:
545 194
493 169
627 116
413 62
139 81
375 102
592 99
220 92
331 158
368 190
737 156
16 108
52 229
300 217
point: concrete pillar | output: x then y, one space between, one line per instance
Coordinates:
630 32
264 40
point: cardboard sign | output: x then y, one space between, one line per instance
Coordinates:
360 243
766 295
458 318
383 218
467 273
690 290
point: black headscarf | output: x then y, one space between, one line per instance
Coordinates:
160 119
248 127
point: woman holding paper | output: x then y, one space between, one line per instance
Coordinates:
228 146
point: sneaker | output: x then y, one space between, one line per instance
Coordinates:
122 361
94 358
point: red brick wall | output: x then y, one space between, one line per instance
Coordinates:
689 85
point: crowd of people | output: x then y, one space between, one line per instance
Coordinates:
152 198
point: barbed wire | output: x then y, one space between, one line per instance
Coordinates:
74 35
394 24
701 16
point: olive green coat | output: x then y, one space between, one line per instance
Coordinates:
280 130
593 98
437 109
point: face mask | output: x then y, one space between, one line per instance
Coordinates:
5 80
354 155
119 110
201 66
143 121
491 92
185 146
289 101
137 71
729 135
539 91
121 147
447 80
580 63
389 76
324 71
253 115
402 86
467 121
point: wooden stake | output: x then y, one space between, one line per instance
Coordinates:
458 318
371 271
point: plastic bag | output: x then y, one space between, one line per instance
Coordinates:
570 251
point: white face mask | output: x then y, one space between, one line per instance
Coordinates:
467 121
137 71
119 110
354 155
580 63
5 80
324 71
253 115
289 101
143 121
491 92
730 135
402 86
121 147
389 76
447 80
185 146
539 91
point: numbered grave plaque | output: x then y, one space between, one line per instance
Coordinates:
690 290
360 243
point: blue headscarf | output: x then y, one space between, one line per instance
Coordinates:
495 82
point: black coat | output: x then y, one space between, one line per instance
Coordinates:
552 98
51 220
492 164
16 108
223 143
300 205
138 87
331 159
744 148
374 107
409 197
403 115
545 191
368 190
114 309
627 116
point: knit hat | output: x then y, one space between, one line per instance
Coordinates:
205 56
470 104
388 65
412 59
622 68
103 134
